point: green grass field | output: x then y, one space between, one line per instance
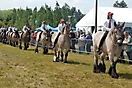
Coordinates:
25 69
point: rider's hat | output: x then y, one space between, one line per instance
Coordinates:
110 13
43 22
62 20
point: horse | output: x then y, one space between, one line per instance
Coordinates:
63 42
112 47
43 37
25 37
3 36
13 38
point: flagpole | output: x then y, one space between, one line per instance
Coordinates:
96 7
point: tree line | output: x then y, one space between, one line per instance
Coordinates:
20 17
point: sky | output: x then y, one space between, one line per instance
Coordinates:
84 5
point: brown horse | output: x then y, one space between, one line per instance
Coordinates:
25 37
63 42
112 47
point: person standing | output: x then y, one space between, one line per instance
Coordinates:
127 43
73 40
81 42
88 42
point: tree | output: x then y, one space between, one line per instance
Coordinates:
121 4
57 15
20 17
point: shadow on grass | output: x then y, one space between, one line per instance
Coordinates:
79 63
126 76
49 53
30 49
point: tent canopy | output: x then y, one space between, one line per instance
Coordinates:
120 15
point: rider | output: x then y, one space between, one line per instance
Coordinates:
109 23
25 28
60 30
43 26
10 29
15 29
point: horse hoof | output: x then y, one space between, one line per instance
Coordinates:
56 61
115 75
45 50
20 47
65 61
102 67
36 51
96 71
25 48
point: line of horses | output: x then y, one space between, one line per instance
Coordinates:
111 47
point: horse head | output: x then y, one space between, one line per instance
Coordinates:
47 34
117 33
27 33
67 28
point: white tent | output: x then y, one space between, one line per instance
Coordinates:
120 15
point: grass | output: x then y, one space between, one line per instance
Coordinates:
25 69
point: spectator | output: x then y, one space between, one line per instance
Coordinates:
78 34
73 40
88 42
81 42
128 46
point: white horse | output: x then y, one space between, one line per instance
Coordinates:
13 38
112 47
43 37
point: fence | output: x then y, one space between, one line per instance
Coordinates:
76 50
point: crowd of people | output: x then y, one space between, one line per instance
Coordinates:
82 39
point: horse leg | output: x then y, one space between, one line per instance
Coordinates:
112 69
61 55
96 69
36 47
10 43
66 55
102 66
20 46
45 49
14 44
25 46
55 55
